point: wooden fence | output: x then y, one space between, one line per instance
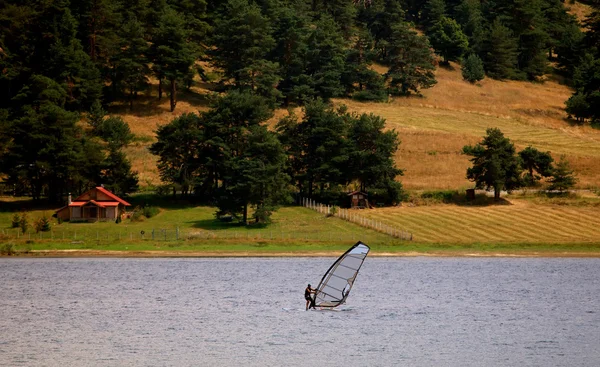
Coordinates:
353 216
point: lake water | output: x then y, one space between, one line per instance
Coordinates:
250 312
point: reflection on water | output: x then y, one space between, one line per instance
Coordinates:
203 312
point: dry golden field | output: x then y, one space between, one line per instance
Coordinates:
518 221
433 128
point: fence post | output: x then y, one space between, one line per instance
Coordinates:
152 233
177 233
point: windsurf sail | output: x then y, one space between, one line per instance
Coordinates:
338 280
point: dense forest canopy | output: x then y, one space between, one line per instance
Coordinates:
64 60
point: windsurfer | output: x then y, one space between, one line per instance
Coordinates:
307 296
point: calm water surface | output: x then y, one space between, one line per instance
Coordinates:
250 312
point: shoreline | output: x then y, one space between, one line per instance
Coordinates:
242 254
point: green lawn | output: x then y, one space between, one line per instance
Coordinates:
445 230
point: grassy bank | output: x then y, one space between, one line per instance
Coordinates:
522 226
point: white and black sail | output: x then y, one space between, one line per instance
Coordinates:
338 280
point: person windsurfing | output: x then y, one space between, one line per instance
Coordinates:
310 302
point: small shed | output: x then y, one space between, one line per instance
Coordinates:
358 199
97 204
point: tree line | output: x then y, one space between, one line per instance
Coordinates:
61 60
228 157
496 165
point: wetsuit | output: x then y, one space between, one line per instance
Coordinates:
307 292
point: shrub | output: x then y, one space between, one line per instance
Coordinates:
24 222
150 211
7 249
262 215
370 96
137 215
472 69
16 220
444 196
42 224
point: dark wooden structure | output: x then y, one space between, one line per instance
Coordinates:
358 200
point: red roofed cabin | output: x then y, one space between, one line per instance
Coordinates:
98 204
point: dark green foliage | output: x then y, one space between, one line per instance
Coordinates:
472 69
379 20
341 11
361 82
96 116
52 130
117 175
325 59
242 39
470 17
16 219
171 52
150 211
411 61
563 177
432 14
115 132
331 148
585 102
371 152
448 40
577 106
569 47
179 145
495 163
500 52
130 62
534 160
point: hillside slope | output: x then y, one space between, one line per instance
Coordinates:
433 128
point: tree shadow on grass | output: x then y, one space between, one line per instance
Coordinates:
165 202
149 105
459 198
481 200
26 204
218 225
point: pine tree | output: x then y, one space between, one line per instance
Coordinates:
255 178
432 14
130 62
380 19
470 17
500 58
359 80
411 61
563 177
290 31
495 163
115 132
448 40
242 39
325 58
180 147
171 51
117 175
95 118
371 152
534 160
472 69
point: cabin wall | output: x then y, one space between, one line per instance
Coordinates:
64 214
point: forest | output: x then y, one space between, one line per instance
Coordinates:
64 64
